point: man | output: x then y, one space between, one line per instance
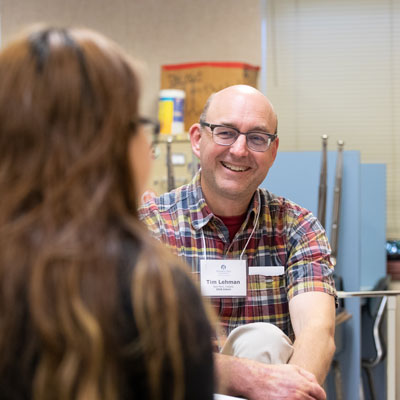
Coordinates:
282 249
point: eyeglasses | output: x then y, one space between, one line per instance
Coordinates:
151 127
227 135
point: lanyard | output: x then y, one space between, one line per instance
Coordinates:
248 240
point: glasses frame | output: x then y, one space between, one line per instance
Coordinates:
146 121
271 136
153 123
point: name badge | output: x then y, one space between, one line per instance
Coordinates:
223 278
267 271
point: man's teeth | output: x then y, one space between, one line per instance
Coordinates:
235 168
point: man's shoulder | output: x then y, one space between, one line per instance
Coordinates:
279 204
167 202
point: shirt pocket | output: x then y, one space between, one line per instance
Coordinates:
267 300
265 286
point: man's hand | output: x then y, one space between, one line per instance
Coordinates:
285 382
257 381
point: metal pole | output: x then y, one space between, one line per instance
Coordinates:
322 183
170 171
337 194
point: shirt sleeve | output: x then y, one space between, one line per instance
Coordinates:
309 266
150 216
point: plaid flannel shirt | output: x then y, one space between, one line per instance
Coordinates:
286 235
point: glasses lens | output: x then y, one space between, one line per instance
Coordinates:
258 141
224 135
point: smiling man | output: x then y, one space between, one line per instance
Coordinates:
279 320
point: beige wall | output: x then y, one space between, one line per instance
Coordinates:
334 69
154 31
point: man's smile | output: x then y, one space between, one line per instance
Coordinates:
235 168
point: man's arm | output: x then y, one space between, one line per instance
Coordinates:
313 320
258 381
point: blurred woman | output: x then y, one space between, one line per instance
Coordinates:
90 306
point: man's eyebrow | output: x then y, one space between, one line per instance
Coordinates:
254 129
259 129
228 124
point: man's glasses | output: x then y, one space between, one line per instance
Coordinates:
227 135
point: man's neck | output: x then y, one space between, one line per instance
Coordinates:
227 210
226 207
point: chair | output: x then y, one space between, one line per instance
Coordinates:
374 310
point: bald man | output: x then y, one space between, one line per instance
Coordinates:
263 261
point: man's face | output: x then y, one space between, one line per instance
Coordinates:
234 172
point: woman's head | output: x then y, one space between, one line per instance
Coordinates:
89 304
69 124
68 115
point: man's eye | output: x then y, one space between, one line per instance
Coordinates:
259 139
225 134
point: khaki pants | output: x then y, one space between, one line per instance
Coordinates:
259 341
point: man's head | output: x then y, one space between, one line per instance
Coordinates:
231 173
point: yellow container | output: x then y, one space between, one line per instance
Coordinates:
171 111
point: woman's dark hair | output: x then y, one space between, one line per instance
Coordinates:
68 108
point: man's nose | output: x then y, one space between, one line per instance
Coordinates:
239 148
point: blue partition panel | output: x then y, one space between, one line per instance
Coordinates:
295 175
373 224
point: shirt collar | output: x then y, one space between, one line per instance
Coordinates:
201 214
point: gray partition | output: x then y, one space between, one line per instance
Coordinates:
295 175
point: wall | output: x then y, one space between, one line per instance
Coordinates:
334 69
154 31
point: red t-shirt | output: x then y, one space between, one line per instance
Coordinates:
233 223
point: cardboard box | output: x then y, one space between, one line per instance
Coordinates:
200 80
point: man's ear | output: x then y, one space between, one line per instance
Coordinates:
274 148
195 136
